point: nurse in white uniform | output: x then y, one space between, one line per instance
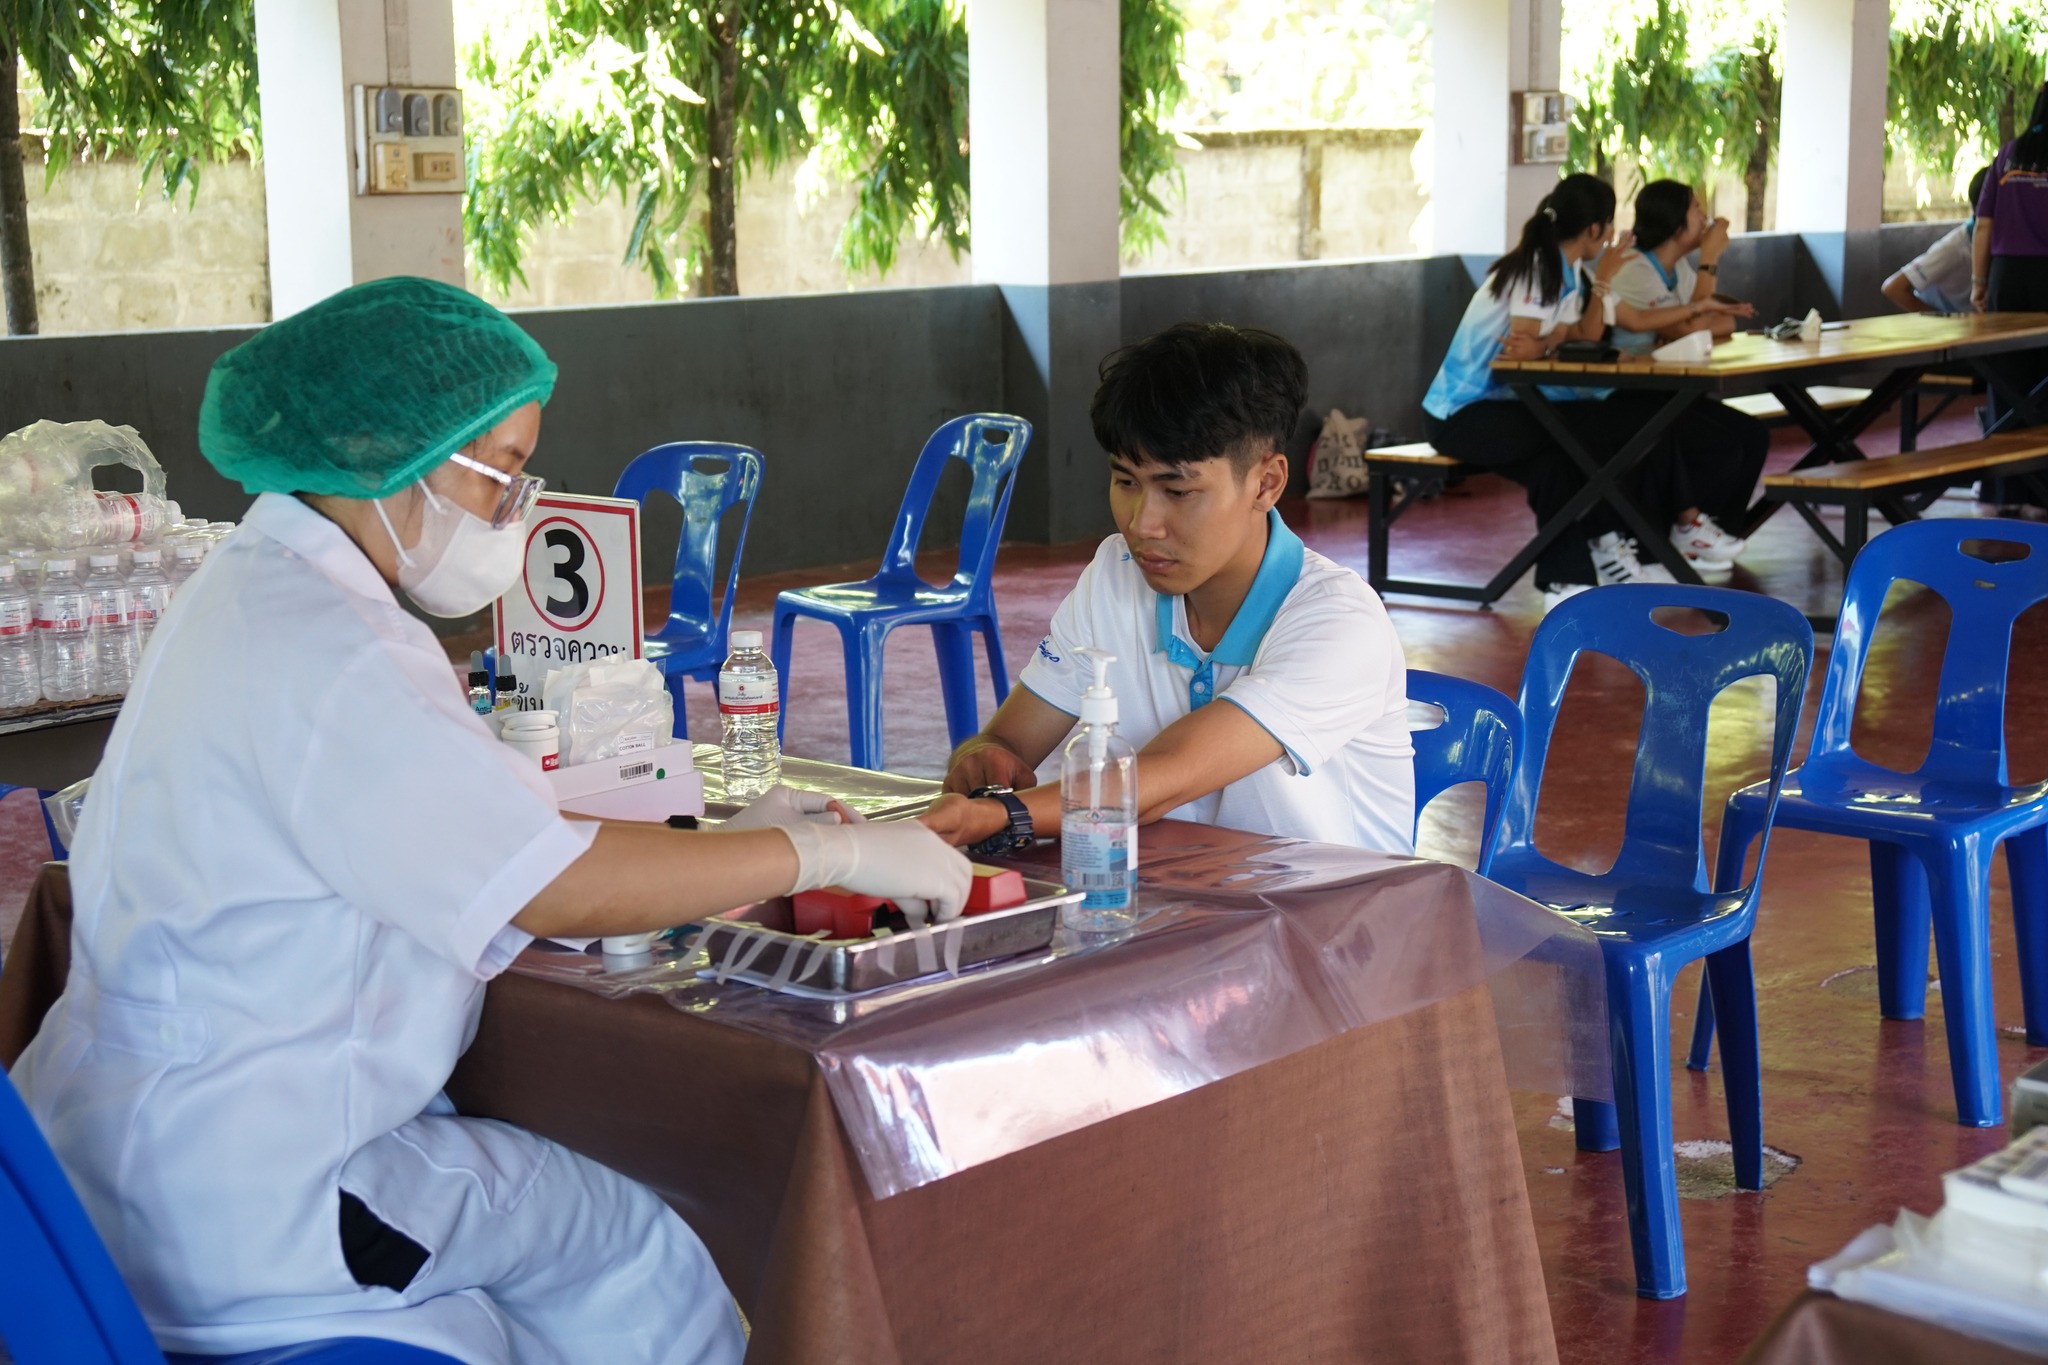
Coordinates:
302 858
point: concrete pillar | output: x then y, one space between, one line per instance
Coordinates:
1831 141
323 236
1044 99
1483 50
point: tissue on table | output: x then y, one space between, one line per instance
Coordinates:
1691 348
609 708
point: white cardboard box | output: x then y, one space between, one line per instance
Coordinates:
650 785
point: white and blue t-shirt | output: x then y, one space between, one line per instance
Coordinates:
1643 282
1467 372
1311 656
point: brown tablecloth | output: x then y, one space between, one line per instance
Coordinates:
1361 1200
1820 1329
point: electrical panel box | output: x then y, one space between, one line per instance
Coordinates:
408 140
1541 126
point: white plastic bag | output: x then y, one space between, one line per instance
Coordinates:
609 709
64 807
47 501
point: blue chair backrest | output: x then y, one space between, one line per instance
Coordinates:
708 478
1477 742
1984 599
61 1299
992 445
1681 676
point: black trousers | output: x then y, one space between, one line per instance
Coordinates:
1504 436
2019 284
1717 457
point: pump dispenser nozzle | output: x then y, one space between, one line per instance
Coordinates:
1098 703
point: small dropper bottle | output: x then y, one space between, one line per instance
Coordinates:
1099 811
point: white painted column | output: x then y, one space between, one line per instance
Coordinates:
1483 50
323 236
1831 136
1044 96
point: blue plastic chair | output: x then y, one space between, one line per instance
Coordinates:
62 1301
1932 831
992 445
708 479
1477 742
1654 910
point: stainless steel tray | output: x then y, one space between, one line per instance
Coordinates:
754 944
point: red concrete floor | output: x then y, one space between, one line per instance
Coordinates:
1864 1104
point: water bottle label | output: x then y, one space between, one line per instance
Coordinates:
746 694
1099 857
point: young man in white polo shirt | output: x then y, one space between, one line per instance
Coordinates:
1206 597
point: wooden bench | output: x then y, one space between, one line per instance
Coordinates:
1408 470
1945 389
1767 409
1888 481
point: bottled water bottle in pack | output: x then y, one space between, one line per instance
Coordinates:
113 625
748 708
184 563
64 633
150 591
20 682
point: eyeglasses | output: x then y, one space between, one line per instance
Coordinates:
520 490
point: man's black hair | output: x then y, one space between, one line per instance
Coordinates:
1200 391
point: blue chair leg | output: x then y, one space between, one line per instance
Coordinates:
778 654
1959 888
1740 827
1595 1125
863 649
1898 893
1733 984
2026 862
1639 1004
998 670
674 683
58 853
953 642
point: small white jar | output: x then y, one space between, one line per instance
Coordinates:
537 734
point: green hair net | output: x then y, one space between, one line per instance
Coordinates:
364 392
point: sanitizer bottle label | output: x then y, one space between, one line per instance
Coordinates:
1096 857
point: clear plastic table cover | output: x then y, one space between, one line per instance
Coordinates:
1248 949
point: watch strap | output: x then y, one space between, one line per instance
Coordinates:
1018 834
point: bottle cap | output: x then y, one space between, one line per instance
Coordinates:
149 556
191 552
528 720
1098 703
59 565
6 569
746 639
104 561
479 678
506 682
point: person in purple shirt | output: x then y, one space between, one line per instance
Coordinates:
2009 268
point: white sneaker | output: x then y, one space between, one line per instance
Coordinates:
1557 592
1706 544
1615 561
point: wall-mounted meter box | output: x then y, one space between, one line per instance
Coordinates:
408 140
1541 122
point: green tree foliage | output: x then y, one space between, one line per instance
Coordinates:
667 103
1963 74
170 82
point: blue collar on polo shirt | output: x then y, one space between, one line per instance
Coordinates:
1670 277
1279 571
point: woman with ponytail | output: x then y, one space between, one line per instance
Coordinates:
1535 299
2009 271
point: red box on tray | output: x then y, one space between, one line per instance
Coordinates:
836 912
994 888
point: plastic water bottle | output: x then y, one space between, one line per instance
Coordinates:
184 563
151 592
20 682
64 633
748 709
1099 812
113 625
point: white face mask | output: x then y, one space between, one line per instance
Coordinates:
460 565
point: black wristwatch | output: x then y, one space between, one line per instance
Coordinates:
1018 835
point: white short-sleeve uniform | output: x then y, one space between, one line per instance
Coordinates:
1310 656
1642 282
1466 376
294 873
1940 275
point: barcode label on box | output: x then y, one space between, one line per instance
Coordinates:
633 770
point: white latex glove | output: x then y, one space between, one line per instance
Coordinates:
902 862
779 807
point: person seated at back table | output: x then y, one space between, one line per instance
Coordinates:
1261 684
1938 279
1659 296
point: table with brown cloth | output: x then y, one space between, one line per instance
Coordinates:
1820 1329
1360 1199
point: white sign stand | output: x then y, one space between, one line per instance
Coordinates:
580 596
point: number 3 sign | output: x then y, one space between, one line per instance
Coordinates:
580 596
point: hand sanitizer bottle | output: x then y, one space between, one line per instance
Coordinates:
1099 812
